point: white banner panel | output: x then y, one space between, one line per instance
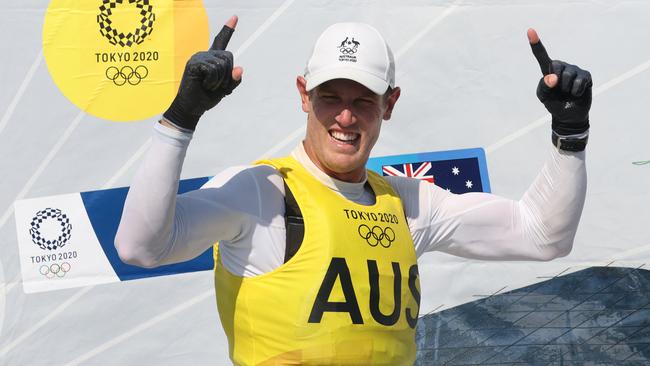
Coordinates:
58 246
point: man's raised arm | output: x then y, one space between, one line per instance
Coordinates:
542 225
152 221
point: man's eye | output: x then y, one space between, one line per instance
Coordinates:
366 101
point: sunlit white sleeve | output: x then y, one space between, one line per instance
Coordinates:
158 227
539 226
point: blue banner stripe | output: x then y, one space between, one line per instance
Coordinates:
105 210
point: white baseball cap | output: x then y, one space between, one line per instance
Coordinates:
354 51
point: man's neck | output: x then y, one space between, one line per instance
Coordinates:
349 190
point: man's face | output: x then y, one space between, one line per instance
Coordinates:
343 123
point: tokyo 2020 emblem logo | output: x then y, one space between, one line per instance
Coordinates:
118 37
56 223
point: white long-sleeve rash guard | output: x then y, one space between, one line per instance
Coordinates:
243 209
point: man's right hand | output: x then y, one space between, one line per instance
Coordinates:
208 77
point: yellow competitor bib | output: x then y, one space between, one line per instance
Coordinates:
122 60
349 296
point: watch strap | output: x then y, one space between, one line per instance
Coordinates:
570 143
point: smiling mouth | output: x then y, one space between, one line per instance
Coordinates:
345 137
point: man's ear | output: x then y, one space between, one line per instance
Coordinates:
390 102
301 84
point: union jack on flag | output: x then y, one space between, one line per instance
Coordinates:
412 170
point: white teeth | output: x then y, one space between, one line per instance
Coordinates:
342 136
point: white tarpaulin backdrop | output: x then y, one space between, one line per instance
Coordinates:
468 79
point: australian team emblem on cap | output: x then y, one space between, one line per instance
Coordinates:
348 48
353 51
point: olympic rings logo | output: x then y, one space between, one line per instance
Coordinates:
377 236
55 270
348 50
127 74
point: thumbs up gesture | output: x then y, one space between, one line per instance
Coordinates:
565 91
208 77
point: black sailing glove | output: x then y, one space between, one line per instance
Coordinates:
569 100
206 80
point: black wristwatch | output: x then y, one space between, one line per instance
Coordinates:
570 143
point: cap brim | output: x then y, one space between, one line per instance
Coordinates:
376 84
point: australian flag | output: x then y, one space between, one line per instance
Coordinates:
458 171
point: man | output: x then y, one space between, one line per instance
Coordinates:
346 290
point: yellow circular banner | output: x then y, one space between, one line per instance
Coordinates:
122 60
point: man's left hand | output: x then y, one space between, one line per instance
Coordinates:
565 91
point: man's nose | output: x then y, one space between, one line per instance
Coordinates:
346 117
